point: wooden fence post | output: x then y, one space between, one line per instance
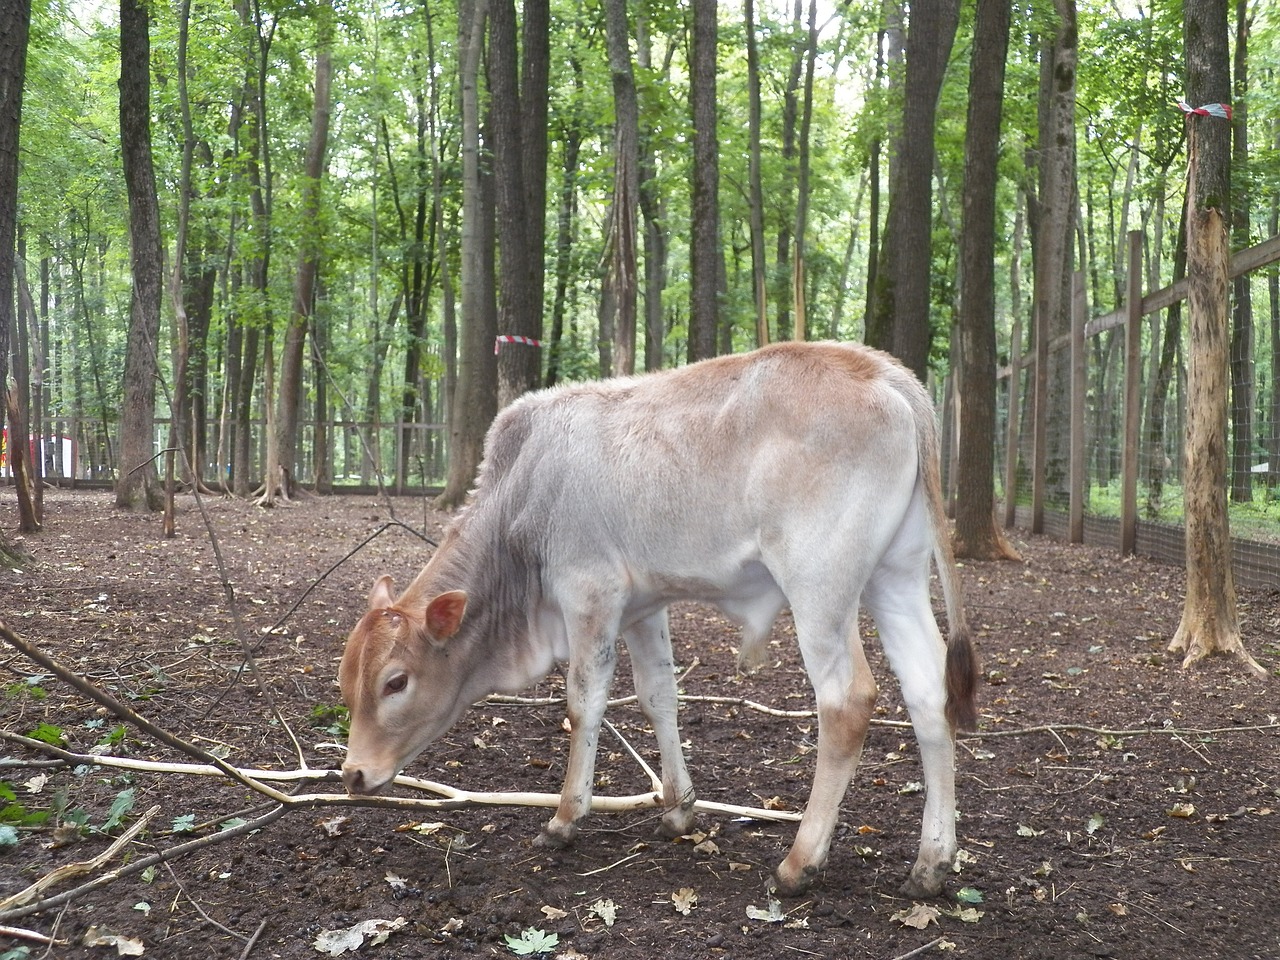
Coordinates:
1132 397
1079 387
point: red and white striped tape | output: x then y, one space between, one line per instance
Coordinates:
511 338
1220 110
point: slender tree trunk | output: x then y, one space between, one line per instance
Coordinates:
1210 623
178 433
976 534
652 209
704 241
621 248
571 138
755 186
800 331
475 402
1164 378
289 401
1242 372
138 483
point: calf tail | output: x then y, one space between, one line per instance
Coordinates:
961 677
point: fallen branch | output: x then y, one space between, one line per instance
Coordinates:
18 933
447 797
137 866
78 868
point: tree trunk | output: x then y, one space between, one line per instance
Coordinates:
755 188
800 329
704 240
621 254
977 535
900 318
15 24
570 136
1210 623
520 237
1054 224
138 483
1242 372
289 402
652 208
475 402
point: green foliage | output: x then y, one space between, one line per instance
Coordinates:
334 719
48 733
121 807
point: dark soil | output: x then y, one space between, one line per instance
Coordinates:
1115 805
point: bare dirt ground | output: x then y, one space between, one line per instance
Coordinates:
1112 806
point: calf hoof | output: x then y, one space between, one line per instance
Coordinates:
924 882
677 822
557 836
792 883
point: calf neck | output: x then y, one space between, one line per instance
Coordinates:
800 475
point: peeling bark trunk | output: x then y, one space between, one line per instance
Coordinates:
1210 623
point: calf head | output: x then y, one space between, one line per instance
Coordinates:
402 681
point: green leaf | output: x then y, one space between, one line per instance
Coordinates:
17 953
8 836
184 823
1095 824
532 941
969 895
233 823
119 809
48 733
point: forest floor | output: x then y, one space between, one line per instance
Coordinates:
1113 805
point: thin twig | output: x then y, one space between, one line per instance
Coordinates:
199 909
919 950
253 940
320 579
654 779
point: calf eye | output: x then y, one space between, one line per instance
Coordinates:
396 684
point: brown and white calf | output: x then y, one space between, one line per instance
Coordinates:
800 475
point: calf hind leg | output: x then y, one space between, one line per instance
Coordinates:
846 694
909 635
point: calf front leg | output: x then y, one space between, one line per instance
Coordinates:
591 664
653 669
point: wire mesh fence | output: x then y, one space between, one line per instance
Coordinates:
1111 435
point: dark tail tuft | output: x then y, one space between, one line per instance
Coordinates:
962 682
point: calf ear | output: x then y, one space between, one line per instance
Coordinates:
380 596
444 614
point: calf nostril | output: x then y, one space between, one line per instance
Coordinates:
354 779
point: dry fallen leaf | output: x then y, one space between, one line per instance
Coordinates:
125 946
684 900
1182 810
333 826
773 914
553 913
337 942
606 910
918 916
